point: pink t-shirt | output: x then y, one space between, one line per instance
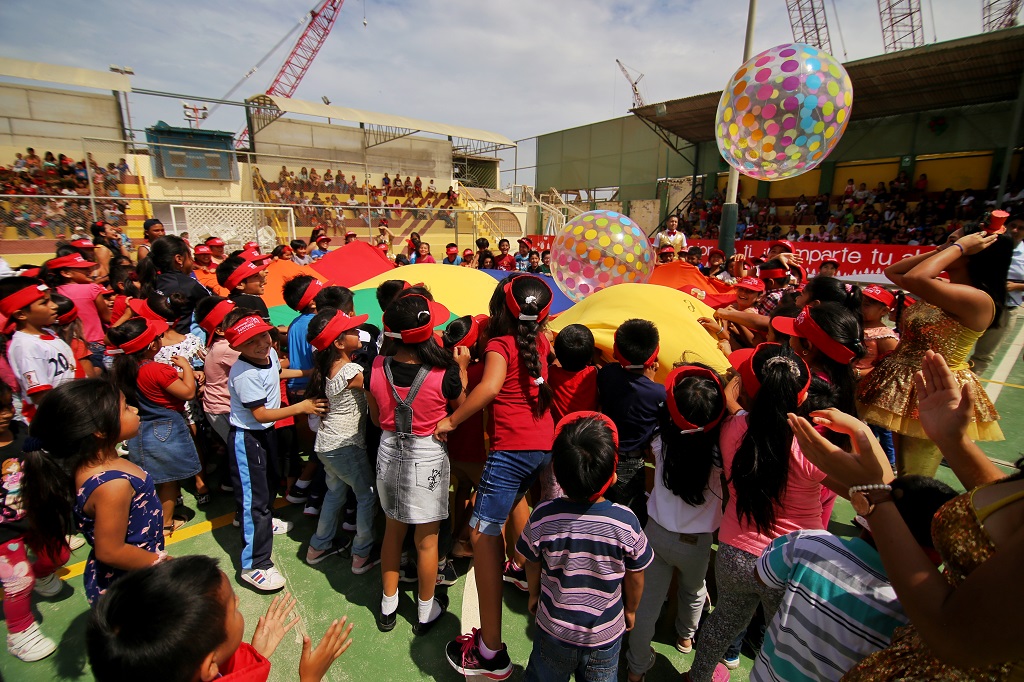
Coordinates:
798 509
220 357
84 297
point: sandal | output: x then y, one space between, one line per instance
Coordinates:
176 523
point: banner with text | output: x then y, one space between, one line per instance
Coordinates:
854 259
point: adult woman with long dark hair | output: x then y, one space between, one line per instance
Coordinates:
949 317
167 269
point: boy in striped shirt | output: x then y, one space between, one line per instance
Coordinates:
585 558
838 605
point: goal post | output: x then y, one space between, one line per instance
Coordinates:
236 224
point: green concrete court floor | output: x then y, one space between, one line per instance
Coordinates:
330 591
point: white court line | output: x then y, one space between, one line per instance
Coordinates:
1005 367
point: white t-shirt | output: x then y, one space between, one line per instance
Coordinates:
345 422
253 386
675 515
41 363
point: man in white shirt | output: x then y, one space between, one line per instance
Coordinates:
671 236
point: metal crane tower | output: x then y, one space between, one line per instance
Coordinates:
810 25
902 26
997 14
638 99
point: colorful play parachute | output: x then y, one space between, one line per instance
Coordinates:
675 314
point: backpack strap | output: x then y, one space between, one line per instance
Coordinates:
403 408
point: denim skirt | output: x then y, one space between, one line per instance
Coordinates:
413 475
164 447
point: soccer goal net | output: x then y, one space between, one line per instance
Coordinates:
236 224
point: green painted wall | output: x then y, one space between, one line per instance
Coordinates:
625 153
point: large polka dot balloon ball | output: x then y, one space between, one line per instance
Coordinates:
597 250
783 112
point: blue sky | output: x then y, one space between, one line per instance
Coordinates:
519 68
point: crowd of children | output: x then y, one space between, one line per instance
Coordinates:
511 414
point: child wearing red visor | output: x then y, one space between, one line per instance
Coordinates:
601 566
411 391
39 359
773 490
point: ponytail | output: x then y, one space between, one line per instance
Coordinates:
529 358
160 259
47 493
687 458
125 370
760 468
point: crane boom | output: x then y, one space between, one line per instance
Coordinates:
638 99
297 63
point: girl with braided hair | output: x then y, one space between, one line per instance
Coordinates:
514 385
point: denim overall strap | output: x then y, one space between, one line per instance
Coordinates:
403 408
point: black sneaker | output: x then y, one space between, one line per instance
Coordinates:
464 655
515 575
423 628
407 573
297 495
447 575
386 623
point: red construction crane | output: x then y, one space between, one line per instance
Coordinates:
320 22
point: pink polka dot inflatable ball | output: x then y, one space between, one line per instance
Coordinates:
783 112
597 250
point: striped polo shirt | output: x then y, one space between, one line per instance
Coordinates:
838 607
585 550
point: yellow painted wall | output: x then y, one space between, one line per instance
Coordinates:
958 172
871 173
806 184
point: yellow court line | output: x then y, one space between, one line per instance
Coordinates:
186 533
1001 383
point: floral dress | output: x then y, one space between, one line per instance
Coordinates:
145 527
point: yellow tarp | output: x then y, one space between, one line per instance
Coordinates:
464 291
675 314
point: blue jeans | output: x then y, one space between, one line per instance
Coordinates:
553 660
884 437
347 467
506 477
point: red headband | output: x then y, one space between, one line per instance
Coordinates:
436 313
576 416
213 318
513 304
773 273
621 359
476 324
22 298
68 317
678 419
253 264
154 328
314 288
805 327
245 329
339 324
879 294
743 361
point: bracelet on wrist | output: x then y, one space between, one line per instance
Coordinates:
962 252
869 486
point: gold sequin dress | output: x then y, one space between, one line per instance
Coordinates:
964 544
888 397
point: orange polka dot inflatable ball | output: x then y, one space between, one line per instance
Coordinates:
597 250
783 112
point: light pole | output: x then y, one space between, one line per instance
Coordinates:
730 211
125 71
194 114
328 103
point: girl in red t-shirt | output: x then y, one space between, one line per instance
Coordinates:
467 447
515 386
164 445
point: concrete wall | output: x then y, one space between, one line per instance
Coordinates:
343 146
54 120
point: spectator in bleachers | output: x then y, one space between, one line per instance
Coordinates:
451 195
431 188
386 184
418 186
328 180
407 185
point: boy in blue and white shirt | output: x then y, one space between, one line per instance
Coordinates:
254 384
838 606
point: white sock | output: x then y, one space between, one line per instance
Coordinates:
427 611
299 483
389 605
484 651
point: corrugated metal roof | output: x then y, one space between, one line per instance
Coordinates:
65 75
320 110
975 70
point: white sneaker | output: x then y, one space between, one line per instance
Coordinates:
74 541
49 586
265 580
281 526
30 645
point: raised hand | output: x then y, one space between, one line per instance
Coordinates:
271 628
314 663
